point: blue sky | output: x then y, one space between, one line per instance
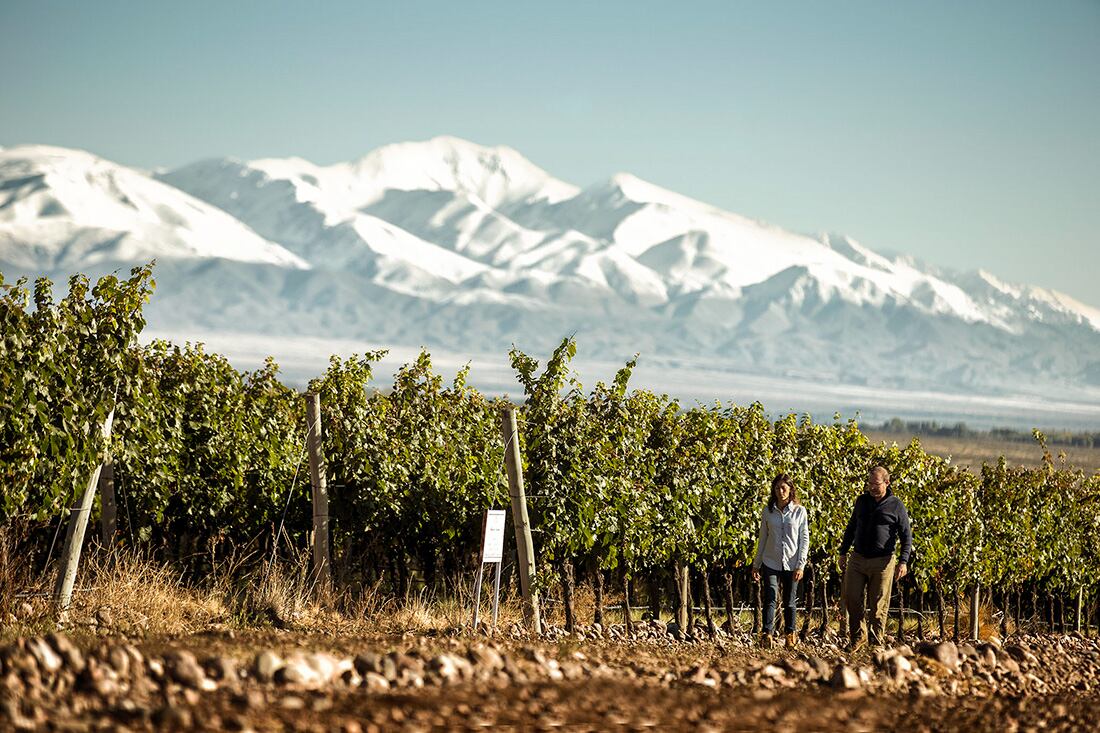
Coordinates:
963 133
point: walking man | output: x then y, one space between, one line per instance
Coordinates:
878 522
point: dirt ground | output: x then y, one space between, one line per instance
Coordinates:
268 680
634 705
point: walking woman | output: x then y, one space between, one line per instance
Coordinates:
781 553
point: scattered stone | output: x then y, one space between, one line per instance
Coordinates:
119 661
1021 654
389 668
292 702
899 667
222 669
155 668
173 717
882 656
184 669
327 666
572 670
409 669
944 652
374 682
265 666
701 675
237 723
489 659
68 652
111 690
444 667
103 617
297 670
368 662
772 670
98 679
249 700
845 678
553 670
819 668
49 662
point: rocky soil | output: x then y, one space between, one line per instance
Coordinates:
232 680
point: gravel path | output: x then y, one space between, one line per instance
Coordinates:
293 682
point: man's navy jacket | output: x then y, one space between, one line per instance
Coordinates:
876 526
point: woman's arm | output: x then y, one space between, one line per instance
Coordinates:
803 541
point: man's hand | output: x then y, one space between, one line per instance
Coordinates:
796 574
756 574
843 560
901 572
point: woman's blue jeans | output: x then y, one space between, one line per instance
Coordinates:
774 581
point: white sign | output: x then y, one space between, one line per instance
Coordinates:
492 546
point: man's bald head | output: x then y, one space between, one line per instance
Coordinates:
878 480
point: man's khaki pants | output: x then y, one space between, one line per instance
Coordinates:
873 576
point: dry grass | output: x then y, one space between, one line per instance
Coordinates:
140 595
988 621
127 593
275 594
426 610
20 592
147 597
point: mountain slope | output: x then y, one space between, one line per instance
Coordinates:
63 208
462 247
635 241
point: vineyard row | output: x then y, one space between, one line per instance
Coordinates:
209 461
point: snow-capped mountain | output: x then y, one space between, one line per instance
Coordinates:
469 248
462 211
63 208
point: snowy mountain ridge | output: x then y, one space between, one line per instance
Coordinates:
624 238
455 245
67 208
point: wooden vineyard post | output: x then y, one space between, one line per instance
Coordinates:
974 603
683 596
525 547
108 517
321 558
74 533
901 611
1080 603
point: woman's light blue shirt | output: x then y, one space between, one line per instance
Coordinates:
784 541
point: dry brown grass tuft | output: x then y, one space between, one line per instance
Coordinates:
374 611
11 581
24 595
987 622
135 593
278 594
